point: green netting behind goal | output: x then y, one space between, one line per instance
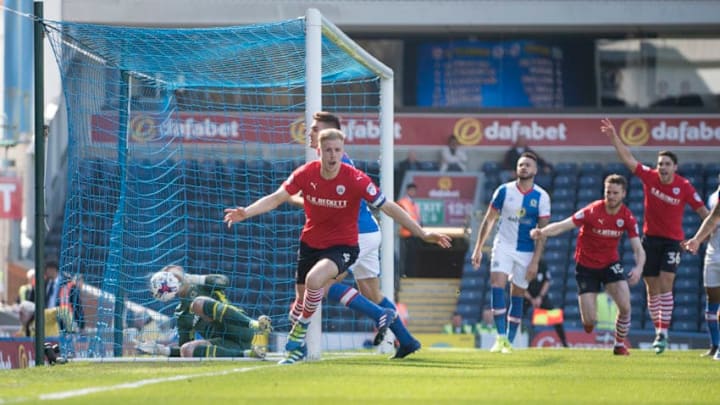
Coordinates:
167 127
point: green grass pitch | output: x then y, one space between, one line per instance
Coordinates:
431 376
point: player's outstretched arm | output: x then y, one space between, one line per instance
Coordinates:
556 228
265 204
297 200
639 253
487 224
607 127
709 224
532 268
398 214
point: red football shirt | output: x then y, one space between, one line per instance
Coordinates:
332 206
600 233
665 203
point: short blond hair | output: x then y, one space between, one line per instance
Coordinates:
330 134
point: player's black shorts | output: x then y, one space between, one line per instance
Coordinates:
343 256
592 280
662 254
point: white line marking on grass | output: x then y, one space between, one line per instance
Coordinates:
141 383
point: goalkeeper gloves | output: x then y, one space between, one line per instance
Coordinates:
152 348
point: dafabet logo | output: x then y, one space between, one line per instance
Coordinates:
142 128
297 130
444 183
634 132
468 131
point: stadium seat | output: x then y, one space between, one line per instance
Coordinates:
690 169
591 168
711 184
691 299
473 297
470 282
562 205
697 180
684 326
562 194
636 324
469 311
566 168
589 194
556 243
711 169
553 255
617 168
571 297
564 180
545 181
571 310
637 208
590 181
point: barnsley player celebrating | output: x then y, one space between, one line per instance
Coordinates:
666 194
332 192
602 224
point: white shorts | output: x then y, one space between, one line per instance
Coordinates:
512 263
711 274
367 264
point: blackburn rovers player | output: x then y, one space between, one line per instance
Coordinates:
332 192
666 194
519 206
710 230
204 310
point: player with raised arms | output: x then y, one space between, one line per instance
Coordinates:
666 194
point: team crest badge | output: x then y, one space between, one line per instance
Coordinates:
340 189
533 203
620 223
676 190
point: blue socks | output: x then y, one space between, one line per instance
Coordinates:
711 317
351 298
497 302
398 327
515 316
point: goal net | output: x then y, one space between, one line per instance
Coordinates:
167 127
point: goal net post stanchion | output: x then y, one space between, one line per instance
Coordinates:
317 27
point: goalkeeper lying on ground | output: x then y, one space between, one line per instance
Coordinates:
203 309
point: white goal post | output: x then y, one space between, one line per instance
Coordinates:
318 26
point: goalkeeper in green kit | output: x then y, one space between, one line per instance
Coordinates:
204 310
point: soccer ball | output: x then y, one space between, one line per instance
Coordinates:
164 285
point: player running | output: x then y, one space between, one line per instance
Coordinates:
602 224
332 192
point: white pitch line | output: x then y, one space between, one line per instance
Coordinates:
141 383
132 385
